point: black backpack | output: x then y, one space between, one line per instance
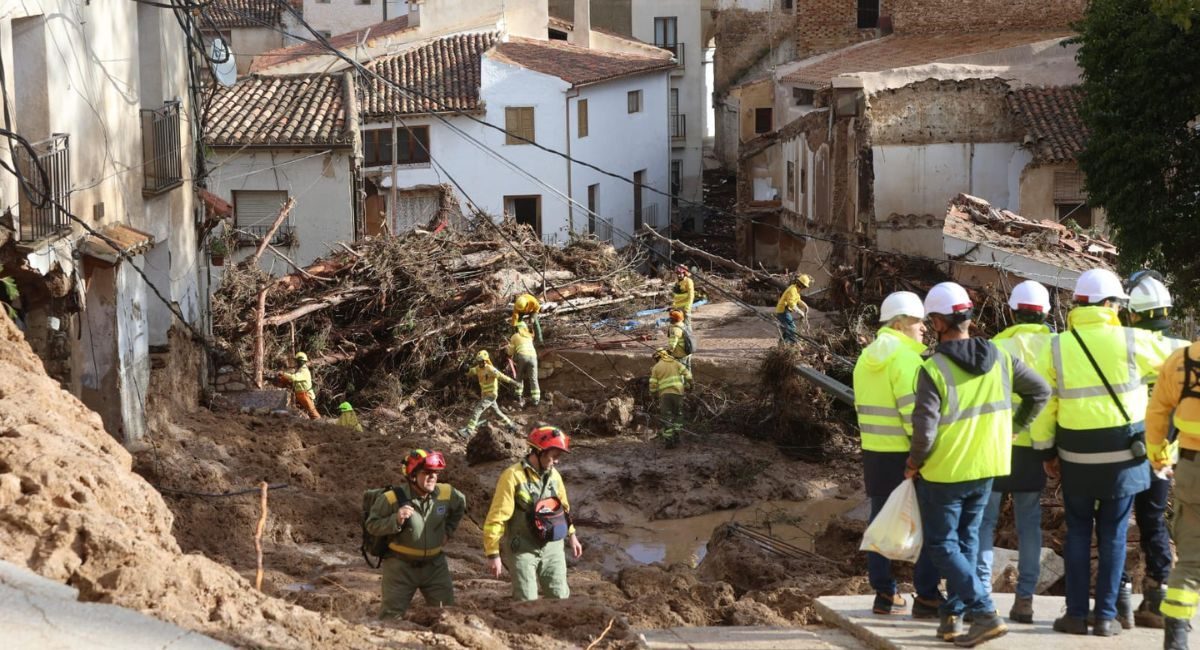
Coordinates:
689 346
373 546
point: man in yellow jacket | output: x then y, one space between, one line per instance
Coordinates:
529 521
489 389
302 386
668 380
1178 392
677 336
524 356
683 293
884 378
789 306
527 306
348 417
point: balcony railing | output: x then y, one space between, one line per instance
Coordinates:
678 126
251 235
44 213
676 50
161 149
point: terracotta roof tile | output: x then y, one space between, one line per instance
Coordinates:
285 110
447 69
244 13
576 65
1051 120
345 41
905 50
130 241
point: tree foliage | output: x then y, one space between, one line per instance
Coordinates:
1141 71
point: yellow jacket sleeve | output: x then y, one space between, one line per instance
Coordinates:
1044 428
562 496
1163 401
501 510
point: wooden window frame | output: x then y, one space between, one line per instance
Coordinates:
415 154
374 135
581 118
633 101
515 127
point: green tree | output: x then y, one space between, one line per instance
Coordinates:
1141 71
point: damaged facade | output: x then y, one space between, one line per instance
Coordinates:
112 128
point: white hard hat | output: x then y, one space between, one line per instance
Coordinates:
1030 296
1149 293
901 303
1097 284
947 298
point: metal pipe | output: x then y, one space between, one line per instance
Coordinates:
837 389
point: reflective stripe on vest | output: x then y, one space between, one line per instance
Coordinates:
672 381
442 495
954 413
1180 603
1098 390
974 441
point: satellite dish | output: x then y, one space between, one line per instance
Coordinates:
225 71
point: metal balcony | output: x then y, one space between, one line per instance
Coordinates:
45 202
161 147
678 126
249 236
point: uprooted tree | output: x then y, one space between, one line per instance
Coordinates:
1141 68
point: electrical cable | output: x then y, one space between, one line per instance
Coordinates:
218 495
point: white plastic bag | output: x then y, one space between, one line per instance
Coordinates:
896 531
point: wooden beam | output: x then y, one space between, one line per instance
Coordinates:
721 261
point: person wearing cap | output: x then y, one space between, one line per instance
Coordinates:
789 306
1099 371
529 522
963 419
668 380
524 356
526 306
1150 309
1027 340
683 293
489 378
302 386
348 418
677 336
884 377
417 518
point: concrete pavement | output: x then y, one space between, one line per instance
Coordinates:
750 638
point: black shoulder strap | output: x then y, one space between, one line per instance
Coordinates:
1191 377
1107 386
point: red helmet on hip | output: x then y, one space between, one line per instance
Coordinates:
420 459
545 438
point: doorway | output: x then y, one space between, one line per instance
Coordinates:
527 210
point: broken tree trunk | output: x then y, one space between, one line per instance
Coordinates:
259 315
721 261
284 210
331 300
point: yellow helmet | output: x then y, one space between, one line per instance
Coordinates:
804 280
662 353
483 355
300 356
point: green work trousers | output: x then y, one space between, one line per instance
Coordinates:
402 579
481 407
532 566
1183 586
527 374
670 411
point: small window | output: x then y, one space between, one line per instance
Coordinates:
666 32
377 147
518 122
788 5
763 120
583 118
253 213
676 181
634 99
412 145
639 179
363 2
868 14
593 207
791 181
1070 198
803 96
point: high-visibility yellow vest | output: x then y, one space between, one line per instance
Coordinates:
884 381
521 343
524 305
301 381
669 377
489 379
1029 343
974 439
683 293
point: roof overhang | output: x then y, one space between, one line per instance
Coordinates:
128 241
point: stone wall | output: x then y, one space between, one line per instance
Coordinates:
743 39
930 16
933 111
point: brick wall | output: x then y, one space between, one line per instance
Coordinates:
743 38
823 25
926 16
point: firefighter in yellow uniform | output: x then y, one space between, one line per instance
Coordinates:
526 305
524 356
683 293
668 380
1178 392
677 336
789 306
302 386
348 417
489 389
418 519
884 378
529 521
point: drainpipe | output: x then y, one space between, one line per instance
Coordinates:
570 187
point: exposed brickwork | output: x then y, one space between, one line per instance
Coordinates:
926 112
823 25
743 38
930 16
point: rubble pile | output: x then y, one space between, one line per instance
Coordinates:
399 315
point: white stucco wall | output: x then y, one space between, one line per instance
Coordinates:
643 138
341 16
921 179
133 349
319 180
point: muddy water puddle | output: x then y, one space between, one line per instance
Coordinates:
685 540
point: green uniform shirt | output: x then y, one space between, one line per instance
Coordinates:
422 535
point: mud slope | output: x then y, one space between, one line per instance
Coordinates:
73 511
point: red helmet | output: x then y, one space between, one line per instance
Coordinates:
544 438
681 269
419 459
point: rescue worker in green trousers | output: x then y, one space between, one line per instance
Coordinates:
489 389
418 519
1027 340
529 521
668 380
524 356
677 337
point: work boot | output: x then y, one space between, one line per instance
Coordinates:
925 608
887 604
984 628
1176 635
1148 614
1022 610
464 433
950 628
1125 605
1107 627
1070 625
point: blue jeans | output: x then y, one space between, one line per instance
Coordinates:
879 568
1111 521
950 518
1027 508
787 327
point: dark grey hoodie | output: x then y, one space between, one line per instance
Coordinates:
976 355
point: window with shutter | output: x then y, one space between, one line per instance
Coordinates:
257 207
518 122
583 118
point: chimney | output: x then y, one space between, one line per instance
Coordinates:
582 34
